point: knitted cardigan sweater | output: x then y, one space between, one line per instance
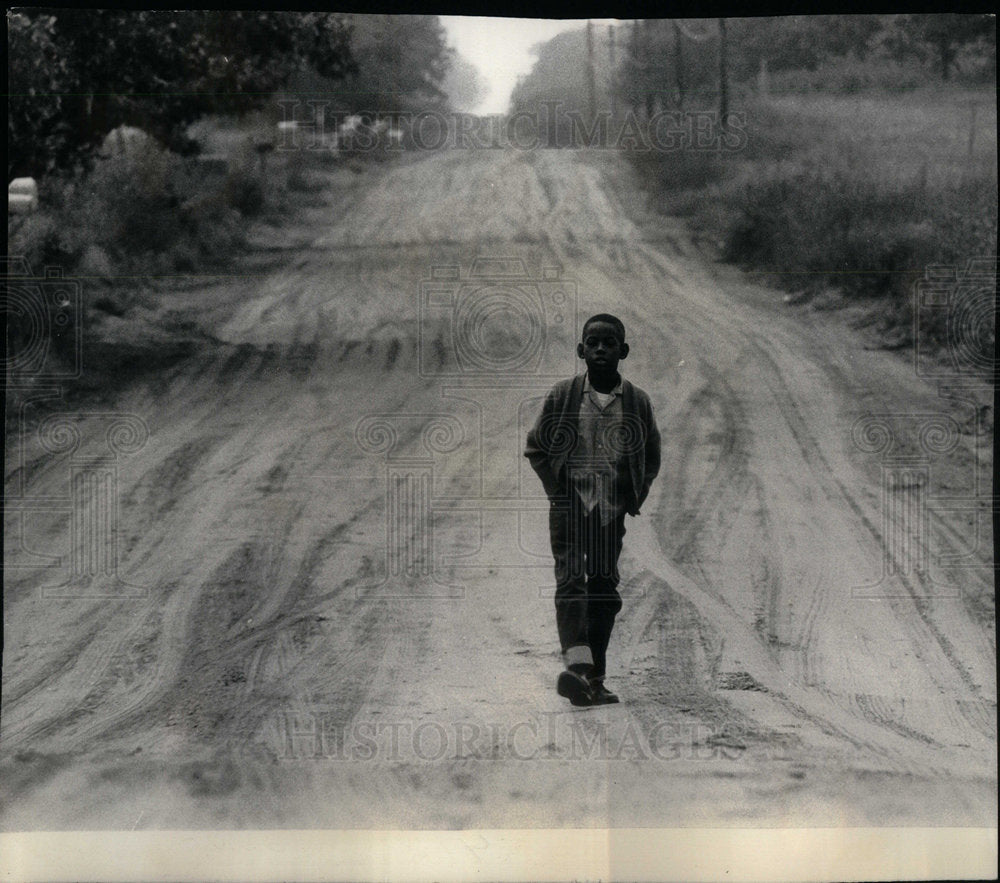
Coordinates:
552 439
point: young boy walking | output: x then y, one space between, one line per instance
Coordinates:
596 449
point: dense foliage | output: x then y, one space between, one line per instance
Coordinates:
401 62
655 64
75 74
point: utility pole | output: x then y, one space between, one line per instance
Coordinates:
679 64
763 81
647 29
723 87
612 68
636 68
972 129
591 80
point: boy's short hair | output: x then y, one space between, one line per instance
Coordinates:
609 319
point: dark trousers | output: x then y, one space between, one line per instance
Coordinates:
586 563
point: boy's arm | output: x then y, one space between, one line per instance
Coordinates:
652 454
652 448
536 449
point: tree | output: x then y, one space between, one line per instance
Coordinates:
560 73
37 75
464 85
402 60
799 42
672 58
940 35
93 69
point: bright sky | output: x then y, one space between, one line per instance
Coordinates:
499 47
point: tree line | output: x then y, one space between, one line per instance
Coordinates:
75 74
654 64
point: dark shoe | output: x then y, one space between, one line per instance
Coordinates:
602 695
574 687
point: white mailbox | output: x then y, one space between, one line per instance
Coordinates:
22 196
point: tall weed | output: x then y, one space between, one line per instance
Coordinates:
856 193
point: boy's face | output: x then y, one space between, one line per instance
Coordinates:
602 347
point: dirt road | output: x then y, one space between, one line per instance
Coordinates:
333 605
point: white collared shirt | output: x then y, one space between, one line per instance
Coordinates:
599 474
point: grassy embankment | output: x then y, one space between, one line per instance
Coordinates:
143 222
141 211
845 199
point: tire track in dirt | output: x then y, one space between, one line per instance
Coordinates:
729 482
815 466
206 650
268 405
79 675
268 632
167 481
835 487
171 479
252 568
727 444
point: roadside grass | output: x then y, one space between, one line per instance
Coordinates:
144 227
144 212
851 75
852 193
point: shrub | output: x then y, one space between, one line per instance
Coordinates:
43 239
244 186
838 223
213 227
143 209
850 75
131 196
245 192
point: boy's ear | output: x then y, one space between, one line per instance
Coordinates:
624 350
579 350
